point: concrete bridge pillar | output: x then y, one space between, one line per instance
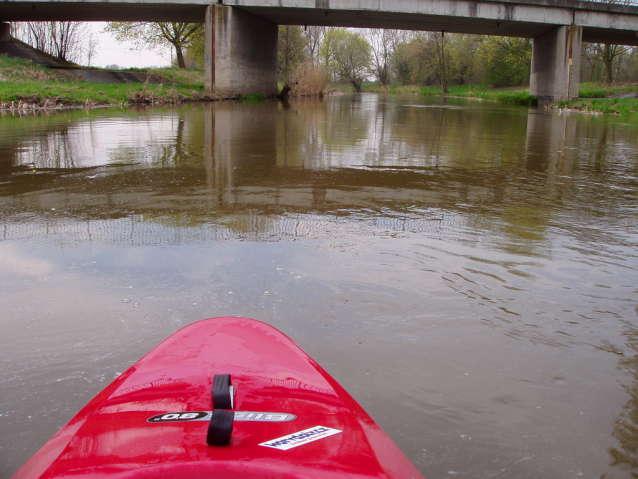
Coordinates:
5 32
556 64
241 53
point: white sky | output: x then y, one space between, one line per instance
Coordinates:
109 52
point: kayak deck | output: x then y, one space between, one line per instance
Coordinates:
291 419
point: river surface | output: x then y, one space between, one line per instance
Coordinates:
468 271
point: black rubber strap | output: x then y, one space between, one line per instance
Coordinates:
222 392
220 428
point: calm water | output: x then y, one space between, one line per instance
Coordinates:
467 271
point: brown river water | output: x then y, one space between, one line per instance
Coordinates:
468 271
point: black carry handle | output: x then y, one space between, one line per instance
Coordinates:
220 428
221 422
222 392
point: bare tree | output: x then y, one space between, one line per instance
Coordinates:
441 60
383 45
63 40
608 55
314 37
90 49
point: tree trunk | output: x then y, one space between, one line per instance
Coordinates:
610 76
440 46
608 60
180 57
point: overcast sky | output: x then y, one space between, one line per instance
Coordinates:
110 52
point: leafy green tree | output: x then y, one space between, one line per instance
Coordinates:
194 57
506 60
466 69
409 66
157 35
348 53
424 60
291 50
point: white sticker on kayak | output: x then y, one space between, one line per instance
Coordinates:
300 438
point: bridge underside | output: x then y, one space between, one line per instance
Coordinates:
100 12
500 21
435 23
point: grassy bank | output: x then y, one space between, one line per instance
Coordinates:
601 98
518 96
26 84
594 97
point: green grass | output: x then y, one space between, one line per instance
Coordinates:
24 81
593 96
252 97
518 95
183 77
616 106
73 93
21 70
87 93
600 90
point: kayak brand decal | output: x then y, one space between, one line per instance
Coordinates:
206 415
300 438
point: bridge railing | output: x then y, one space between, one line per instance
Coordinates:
616 2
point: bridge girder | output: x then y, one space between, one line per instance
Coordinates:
601 22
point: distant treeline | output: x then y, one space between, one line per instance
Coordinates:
428 58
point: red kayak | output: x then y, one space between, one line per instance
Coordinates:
222 398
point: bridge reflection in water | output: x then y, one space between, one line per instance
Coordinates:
278 169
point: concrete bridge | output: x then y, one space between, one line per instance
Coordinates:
241 35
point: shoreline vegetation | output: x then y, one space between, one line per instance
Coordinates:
27 86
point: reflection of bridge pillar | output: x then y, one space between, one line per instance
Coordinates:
556 64
241 53
551 143
240 145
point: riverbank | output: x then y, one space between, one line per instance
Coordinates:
25 85
595 97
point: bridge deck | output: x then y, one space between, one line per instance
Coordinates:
601 21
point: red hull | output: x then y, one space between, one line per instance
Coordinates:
113 438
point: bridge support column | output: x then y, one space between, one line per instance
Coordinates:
241 53
556 64
5 32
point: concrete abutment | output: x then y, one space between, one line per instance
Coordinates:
240 54
555 73
5 32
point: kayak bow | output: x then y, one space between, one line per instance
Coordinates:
222 398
